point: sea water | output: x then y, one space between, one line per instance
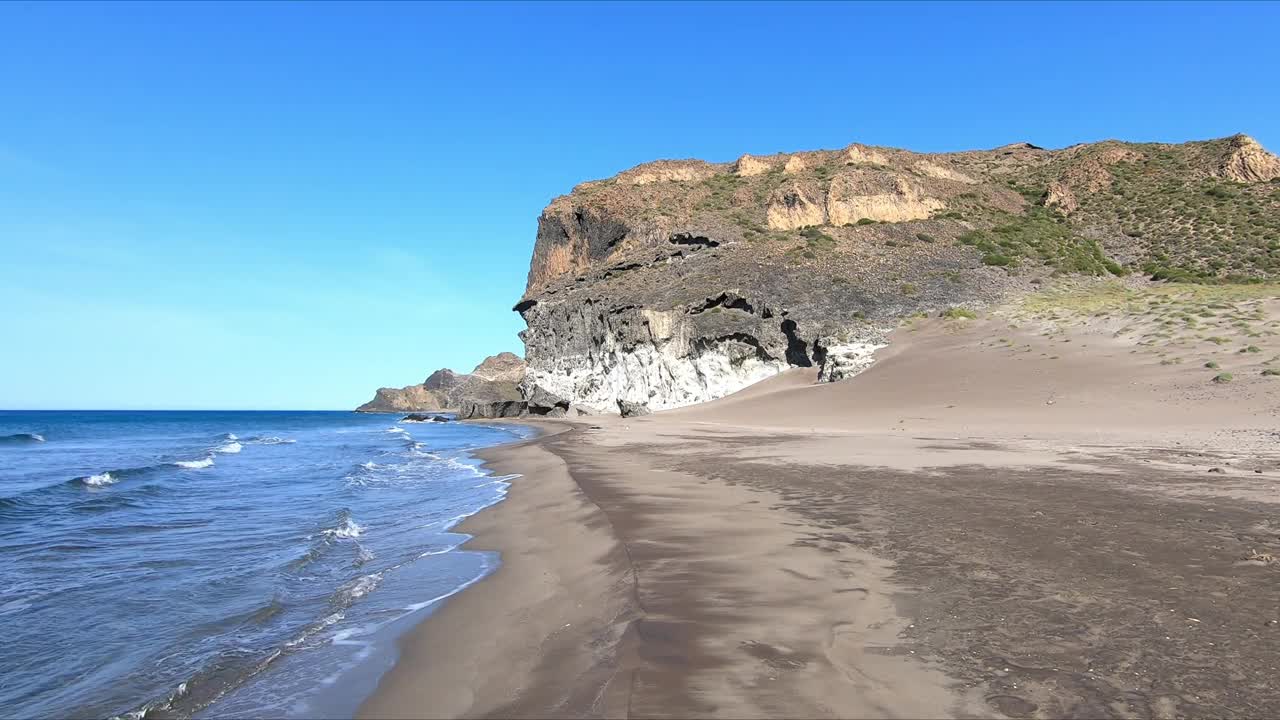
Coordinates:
218 564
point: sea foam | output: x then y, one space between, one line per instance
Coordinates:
195 464
270 441
99 480
348 529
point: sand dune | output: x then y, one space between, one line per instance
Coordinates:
1010 516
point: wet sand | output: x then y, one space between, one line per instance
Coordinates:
962 531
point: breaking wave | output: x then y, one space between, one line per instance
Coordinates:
21 439
231 448
195 464
268 440
99 480
346 529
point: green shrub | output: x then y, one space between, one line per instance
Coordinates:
925 237
958 313
1271 372
865 221
816 239
1211 365
1223 378
997 260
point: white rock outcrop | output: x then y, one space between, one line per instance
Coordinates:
863 155
844 360
873 196
748 166
1246 161
791 207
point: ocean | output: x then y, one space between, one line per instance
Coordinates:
219 564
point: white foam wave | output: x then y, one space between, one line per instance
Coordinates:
231 448
397 430
270 441
329 619
348 530
359 588
442 550
99 480
371 465
195 464
459 465
232 436
37 437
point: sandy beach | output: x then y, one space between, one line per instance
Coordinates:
998 518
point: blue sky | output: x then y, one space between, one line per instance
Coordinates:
288 205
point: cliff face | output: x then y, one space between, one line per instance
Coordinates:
411 398
677 282
490 390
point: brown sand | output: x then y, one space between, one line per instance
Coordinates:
988 522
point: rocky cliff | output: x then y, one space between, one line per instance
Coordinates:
490 390
676 282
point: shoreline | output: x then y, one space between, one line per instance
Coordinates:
565 627
963 530
538 635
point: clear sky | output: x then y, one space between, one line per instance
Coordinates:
288 205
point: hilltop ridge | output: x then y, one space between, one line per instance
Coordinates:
679 281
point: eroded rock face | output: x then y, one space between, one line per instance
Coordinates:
667 171
879 196
406 399
541 401
627 408
863 155
491 390
1059 197
748 166
491 399
1246 161
595 355
942 172
792 207
571 237
795 165
679 282
503 367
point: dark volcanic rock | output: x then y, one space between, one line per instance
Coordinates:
491 399
543 402
628 408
